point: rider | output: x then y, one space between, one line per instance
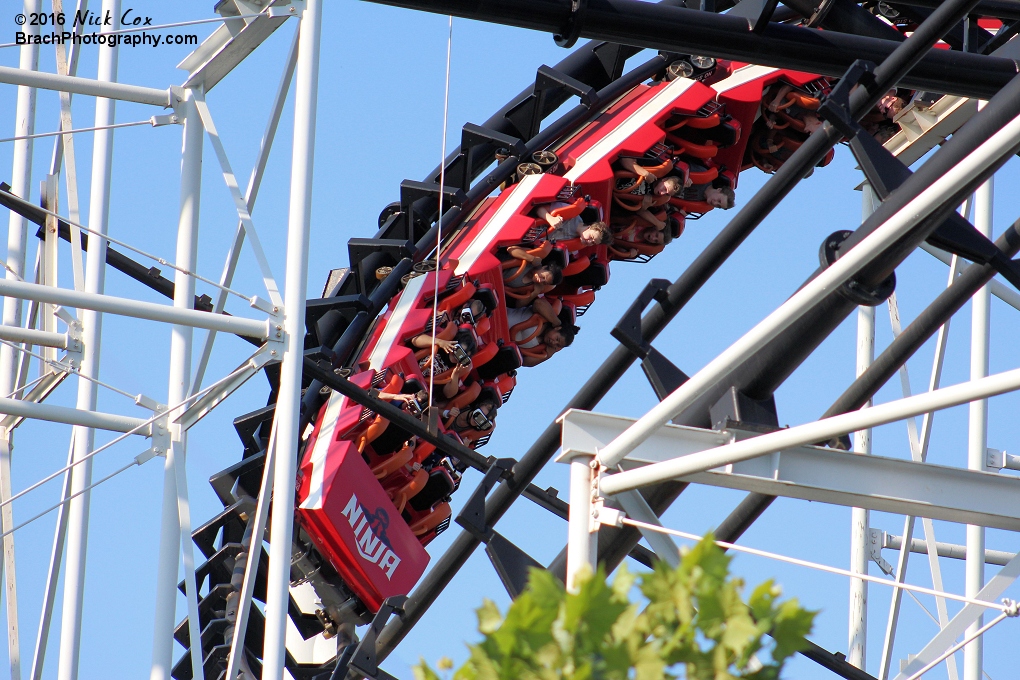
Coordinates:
536 279
645 235
538 331
716 193
645 190
561 229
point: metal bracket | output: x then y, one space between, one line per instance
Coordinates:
876 539
547 79
572 29
363 660
160 428
358 249
75 343
169 119
472 516
611 56
662 374
412 191
734 409
628 329
757 12
829 252
999 460
176 94
473 136
527 115
296 8
836 107
602 514
511 563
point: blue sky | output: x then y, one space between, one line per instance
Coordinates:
380 121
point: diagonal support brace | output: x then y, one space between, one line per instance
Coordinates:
472 516
364 659
628 329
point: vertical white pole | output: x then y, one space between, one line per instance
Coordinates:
10 579
977 436
95 281
21 178
296 285
180 376
582 542
859 520
17 236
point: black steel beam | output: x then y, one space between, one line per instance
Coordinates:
596 63
678 294
150 277
1001 9
687 31
846 16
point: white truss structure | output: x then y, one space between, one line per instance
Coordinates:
63 327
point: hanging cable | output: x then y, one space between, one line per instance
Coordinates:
77 130
439 219
815 565
66 368
110 443
963 643
26 386
106 237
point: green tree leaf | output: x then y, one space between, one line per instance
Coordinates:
695 625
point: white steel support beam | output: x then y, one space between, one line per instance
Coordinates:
636 507
20 185
254 549
986 154
38 338
74 416
49 262
95 88
673 467
172 537
65 144
10 575
582 529
250 194
295 291
857 627
84 437
977 434
950 550
138 309
818 474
